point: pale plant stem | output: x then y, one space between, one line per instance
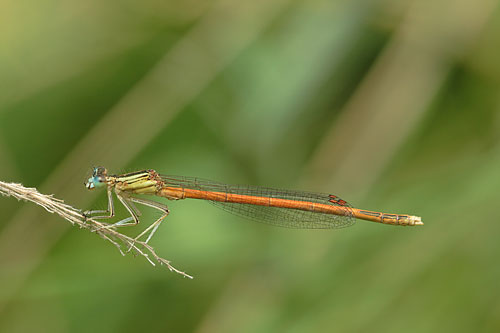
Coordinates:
76 217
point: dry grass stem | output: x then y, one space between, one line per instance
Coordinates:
76 217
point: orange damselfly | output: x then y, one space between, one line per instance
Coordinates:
284 208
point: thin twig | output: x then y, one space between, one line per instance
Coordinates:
75 216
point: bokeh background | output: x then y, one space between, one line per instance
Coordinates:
392 105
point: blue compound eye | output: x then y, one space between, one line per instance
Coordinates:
94 182
98 178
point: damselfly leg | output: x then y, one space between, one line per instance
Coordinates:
154 226
110 212
128 202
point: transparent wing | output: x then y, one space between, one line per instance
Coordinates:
283 217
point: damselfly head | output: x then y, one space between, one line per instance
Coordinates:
97 179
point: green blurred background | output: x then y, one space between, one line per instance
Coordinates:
392 105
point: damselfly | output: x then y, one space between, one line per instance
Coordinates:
284 208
